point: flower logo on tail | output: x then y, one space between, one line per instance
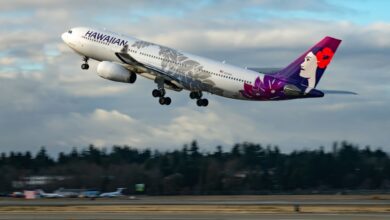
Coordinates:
324 57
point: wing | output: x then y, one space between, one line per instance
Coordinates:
149 72
169 81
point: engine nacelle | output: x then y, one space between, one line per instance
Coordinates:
115 72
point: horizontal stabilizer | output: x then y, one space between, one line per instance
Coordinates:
339 92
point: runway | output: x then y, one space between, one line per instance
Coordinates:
335 207
190 216
277 200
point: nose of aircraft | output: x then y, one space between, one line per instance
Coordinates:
64 37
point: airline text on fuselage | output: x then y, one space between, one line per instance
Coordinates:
105 38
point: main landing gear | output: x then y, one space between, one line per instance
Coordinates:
200 102
160 92
85 65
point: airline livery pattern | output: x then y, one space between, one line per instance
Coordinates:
197 74
189 72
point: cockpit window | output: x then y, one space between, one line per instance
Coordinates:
70 31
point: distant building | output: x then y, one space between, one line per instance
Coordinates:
36 181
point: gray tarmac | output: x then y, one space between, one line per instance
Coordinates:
194 200
79 214
190 216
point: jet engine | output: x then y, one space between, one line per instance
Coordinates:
115 72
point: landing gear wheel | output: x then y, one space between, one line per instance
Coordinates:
84 66
202 102
167 101
156 93
192 95
205 102
161 101
164 101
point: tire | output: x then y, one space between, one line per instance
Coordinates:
84 66
205 102
199 102
156 93
167 101
192 95
161 101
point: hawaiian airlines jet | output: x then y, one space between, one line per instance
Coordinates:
122 58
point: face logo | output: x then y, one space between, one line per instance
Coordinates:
309 66
315 63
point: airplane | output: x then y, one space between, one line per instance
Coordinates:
121 58
117 193
42 194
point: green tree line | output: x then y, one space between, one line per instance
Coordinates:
245 168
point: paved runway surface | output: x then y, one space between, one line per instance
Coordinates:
192 216
207 200
317 207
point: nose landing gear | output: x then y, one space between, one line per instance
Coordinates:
85 65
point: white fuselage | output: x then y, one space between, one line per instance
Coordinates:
190 72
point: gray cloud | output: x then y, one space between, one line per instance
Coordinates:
45 99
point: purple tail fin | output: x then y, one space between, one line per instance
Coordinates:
308 69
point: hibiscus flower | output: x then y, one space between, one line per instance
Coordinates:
324 57
266 89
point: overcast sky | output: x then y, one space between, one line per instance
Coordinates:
47 100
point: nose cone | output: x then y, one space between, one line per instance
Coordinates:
64 37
